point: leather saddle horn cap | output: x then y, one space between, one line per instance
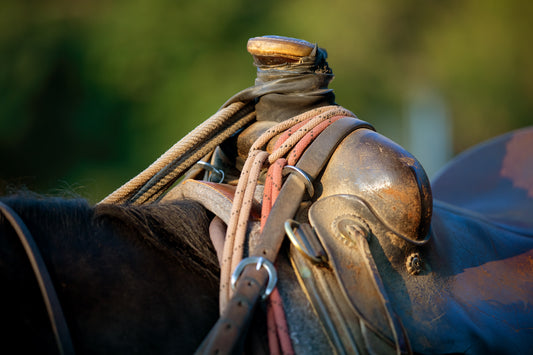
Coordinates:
279 47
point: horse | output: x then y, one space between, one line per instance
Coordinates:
129 279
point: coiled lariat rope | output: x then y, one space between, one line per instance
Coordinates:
296 134
154 180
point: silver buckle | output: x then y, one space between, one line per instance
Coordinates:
213 170
260 261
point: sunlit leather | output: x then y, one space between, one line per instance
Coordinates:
387 177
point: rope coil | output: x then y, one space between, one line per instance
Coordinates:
151 183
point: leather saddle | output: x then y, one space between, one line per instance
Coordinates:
392 263
469 288
389 262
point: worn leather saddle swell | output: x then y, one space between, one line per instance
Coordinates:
474 291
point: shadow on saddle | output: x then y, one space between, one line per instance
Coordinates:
387 262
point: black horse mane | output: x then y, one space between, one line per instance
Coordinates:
179 229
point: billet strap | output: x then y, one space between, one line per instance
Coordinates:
227 336
53 307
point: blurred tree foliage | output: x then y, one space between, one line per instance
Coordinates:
91 92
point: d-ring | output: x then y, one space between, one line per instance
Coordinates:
212 169
308 245
287 169
260 261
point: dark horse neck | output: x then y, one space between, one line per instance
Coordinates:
122 274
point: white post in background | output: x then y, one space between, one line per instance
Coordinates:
429 131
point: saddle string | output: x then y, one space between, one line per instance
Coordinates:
296 134
200 141
255 283
51 301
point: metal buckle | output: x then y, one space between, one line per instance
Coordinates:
287 169
260 261
213 170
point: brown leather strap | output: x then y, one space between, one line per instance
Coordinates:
53 307
227 336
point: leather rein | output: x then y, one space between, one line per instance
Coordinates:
53 307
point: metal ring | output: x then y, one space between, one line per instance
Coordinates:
287 169
301 248
259 261
211 168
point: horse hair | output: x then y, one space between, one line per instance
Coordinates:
130 279
179 229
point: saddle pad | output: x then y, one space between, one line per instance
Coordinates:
494 179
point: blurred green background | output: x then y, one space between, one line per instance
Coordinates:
92 92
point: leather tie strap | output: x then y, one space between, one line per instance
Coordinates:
53 307
227 336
